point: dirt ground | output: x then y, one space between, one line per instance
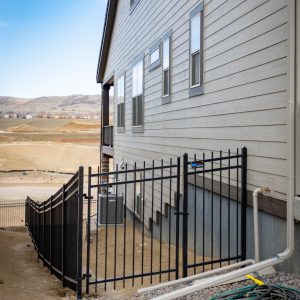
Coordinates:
22 276
47 147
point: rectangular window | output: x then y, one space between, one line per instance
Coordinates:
138 195
154 52
121 102
166 66
137 93
196 52
133 4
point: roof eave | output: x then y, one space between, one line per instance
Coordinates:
106 38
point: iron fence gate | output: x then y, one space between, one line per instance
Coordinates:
131 237
214 210
144 231
55 226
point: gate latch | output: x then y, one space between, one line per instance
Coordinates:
181 213
85 276
85 196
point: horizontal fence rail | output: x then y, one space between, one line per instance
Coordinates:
12 214
130 240
214 210
56 230
145 230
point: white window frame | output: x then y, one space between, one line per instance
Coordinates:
196 89
155 48
121 99
139 176
166 97
138 91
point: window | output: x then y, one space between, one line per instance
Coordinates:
138 195
137 93
133 4
196 56
154 52
121 102
166 54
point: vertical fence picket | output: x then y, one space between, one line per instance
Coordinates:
244 203
88 233
184 217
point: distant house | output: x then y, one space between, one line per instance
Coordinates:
197 76
28 116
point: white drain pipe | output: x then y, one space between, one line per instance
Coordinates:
196 276
255 220
255 223
281 257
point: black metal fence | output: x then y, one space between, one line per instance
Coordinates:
56 230
214 210
12 214
146 231
129 240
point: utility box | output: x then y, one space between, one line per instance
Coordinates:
110 209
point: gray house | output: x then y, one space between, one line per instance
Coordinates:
194 76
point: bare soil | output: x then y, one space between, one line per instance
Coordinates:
22 275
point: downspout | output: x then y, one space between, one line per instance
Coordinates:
287 253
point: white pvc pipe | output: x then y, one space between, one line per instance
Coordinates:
290 178
196 276
255 223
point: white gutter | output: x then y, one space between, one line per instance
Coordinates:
290 182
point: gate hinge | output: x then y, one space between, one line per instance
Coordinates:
85 196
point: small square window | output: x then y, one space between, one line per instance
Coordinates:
154 52
133 5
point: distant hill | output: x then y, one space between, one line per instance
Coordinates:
73 103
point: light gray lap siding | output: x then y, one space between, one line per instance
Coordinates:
245 83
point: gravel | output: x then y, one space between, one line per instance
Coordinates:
291 280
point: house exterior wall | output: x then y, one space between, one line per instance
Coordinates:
245 83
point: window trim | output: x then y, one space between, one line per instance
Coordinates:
141 57
166 98
133 5
152 49
141 196
196 90
122 128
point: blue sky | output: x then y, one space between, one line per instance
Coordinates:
50 47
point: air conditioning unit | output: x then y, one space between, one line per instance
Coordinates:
110 209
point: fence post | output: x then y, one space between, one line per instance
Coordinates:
244 204
79 232
44 245
184 216
88 223
177 217
63 236
50 226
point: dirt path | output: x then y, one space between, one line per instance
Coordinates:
21 276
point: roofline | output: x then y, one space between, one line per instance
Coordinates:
106 38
